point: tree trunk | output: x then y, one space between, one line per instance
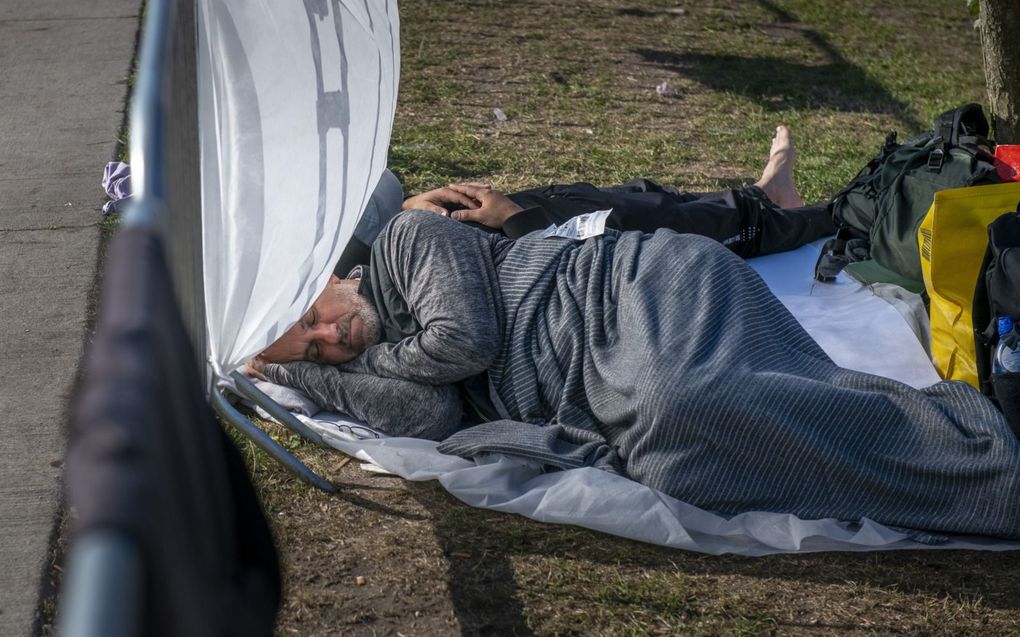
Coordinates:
1000 41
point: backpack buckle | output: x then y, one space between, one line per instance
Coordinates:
936 159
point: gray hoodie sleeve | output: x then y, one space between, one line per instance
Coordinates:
444 270
395 407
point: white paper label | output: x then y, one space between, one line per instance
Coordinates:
580 227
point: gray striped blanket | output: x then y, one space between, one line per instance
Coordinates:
665 358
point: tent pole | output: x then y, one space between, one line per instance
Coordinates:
247 389
267 444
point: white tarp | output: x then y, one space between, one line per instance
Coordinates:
296 103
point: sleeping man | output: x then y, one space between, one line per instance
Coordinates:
659 356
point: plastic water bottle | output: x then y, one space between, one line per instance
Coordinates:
1007 359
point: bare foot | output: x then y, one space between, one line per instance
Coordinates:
777 178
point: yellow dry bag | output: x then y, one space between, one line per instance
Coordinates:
952 240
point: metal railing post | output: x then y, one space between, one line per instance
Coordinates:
103 592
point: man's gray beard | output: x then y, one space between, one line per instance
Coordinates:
364 310
370 320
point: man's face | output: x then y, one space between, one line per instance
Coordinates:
340 325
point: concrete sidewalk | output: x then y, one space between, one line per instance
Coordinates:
63 68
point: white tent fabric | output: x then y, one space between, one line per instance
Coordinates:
296 103
855 327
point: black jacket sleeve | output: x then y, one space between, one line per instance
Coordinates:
528 220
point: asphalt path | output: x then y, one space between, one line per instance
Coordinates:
63 72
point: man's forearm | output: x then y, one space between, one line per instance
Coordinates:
395 407
442 274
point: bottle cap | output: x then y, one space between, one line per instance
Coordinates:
1005 325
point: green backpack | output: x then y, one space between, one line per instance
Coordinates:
878 213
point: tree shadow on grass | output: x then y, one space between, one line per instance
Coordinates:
479 568
779 84
350 497
481 547
636 12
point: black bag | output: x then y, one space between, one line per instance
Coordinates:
879 211
998 294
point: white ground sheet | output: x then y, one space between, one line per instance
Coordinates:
853 325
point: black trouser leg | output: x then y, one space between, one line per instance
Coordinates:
754 225
745 219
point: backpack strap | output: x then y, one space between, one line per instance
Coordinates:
945 125
964 121
848 246
961 127
972 121
957 127
984 329
943 134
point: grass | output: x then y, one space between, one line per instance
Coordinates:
577 82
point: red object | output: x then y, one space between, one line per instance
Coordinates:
1007 161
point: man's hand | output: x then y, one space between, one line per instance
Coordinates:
255 368
443 200
494 209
